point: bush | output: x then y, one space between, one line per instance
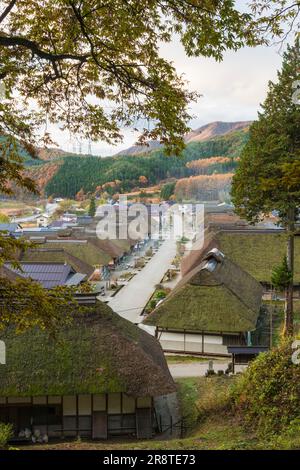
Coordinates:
152 304
160 294
267 394
6 433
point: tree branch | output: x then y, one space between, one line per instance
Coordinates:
10 41
7 10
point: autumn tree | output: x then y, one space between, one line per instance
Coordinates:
111 49
143 180
80 196
268 176
56 54
202 187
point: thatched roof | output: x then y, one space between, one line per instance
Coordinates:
100 352
257 252
216 296
108 246
8 273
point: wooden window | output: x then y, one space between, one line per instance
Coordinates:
18 400
99 402
54 400
39 400
84 405
114 403
69 405
128 404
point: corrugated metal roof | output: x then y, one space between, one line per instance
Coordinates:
48 274
9 227
75 279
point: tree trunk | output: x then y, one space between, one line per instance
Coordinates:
288 309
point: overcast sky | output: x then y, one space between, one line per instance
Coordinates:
232 90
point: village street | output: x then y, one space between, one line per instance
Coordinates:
132 298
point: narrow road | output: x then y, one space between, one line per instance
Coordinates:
132 298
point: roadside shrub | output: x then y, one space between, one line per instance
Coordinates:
6 433
160 294
267 394
152 304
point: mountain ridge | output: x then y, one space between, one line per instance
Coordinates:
201 134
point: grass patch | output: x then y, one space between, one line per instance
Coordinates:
177 359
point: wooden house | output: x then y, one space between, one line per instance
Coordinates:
256 251
216 304
100 377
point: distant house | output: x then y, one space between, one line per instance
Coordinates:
216 304
79 253
49 275
43 220
99 377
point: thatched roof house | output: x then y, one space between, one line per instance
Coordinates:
255 251
215 298
98 377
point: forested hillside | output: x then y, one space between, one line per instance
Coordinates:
89 172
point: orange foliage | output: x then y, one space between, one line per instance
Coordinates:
202 187
80 196
143 180
42 174
199 166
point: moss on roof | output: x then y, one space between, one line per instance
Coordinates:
125 245
86 252
201 308
220 299
100 352
257 253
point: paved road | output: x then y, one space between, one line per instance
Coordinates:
132 298
198 369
